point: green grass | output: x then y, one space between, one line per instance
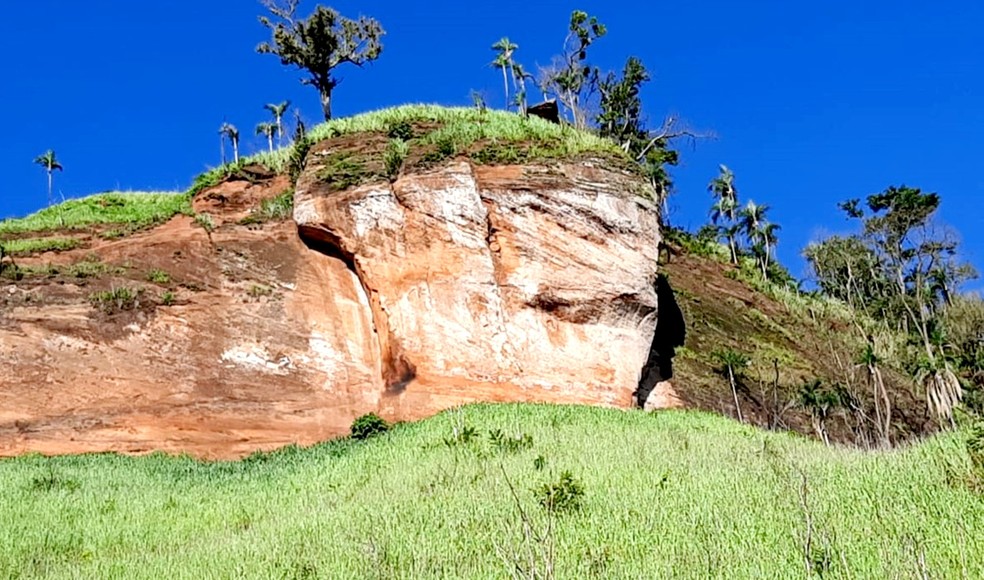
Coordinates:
37 245
676 494
459 129
134 209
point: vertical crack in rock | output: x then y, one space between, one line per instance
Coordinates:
670 333
506 350
396 372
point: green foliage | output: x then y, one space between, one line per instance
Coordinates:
205 221
141 210
571 79
167 298
276 208
510 443
731 359
117 299
344 170
26 246
320 43
368 425
565 495
401 130
394 156
158 276
620 119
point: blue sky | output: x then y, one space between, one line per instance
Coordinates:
811 103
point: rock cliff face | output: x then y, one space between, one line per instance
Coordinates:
456 284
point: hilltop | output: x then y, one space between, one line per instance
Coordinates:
141 275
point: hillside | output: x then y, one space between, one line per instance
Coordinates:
671 494
225 319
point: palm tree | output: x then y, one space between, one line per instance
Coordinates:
229 130
504 61
50 164
752 219
725 207
269 130
278 110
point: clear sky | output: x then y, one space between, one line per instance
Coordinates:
811 102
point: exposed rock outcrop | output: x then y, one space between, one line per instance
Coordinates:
457 284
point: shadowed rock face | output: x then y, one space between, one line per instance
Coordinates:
670 333
463 283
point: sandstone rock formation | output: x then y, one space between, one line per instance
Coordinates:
458 284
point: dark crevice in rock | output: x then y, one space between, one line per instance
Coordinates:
397 372
671 331
628 306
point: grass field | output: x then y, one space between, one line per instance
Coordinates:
675 494
132 209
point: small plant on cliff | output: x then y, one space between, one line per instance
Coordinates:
319 44
158 276
394 156
117 299
368 425
205 221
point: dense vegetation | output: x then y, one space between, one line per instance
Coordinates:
520 490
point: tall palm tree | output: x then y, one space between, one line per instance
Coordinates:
725 207
269 130
229 130
504 61
278 110
50 164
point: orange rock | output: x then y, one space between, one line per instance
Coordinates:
455 285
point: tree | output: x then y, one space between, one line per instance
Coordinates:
732 364
268 130
900 270
278 110
504 61
230 131
570 78
620 119
50 164
725 208
820 400
320 44
760 233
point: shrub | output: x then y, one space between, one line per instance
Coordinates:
563 496
368 425
167 298
510 444
400 130
396 152
158 276
205 221
117 299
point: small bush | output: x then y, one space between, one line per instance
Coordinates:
368 425
461 436
394 156
158 276
400 130
205 221
117 299
167 298
510 444
563 496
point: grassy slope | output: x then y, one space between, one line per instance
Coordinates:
681 494
803 337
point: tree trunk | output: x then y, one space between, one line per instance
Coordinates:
49 187
235 151
280 131
326 103
734 392
222 148
505 85
270 141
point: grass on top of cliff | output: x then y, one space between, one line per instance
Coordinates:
493 491
486 135
136 210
